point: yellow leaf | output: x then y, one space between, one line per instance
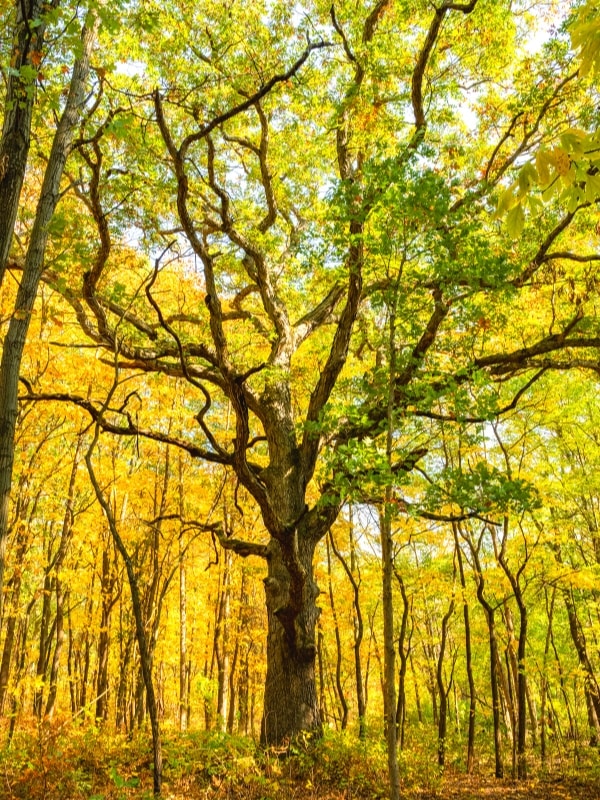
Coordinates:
560 160
515 222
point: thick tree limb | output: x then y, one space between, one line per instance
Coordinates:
252 99
241 547
129 429
423 60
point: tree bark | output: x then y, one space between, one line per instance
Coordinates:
145 656
58 647
10 623
468 655
14 343
183 658
338 643
404 648
591 683
28 42
358 628
108 599
389 697
493 644
442 688
290 702
221 643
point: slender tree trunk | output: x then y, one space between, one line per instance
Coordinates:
468 656
518 664
580 643
28 43
431 661
494 656
108 600
233 699
403 654
389 697
416 687
14 343
60 640
321 665
243 692
338 643
222 644
45 637
358 628
442 689
544 682
71 669
183 657
10 624
121 721
142 641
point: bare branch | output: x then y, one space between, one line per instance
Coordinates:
340 31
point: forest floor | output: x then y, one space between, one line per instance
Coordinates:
66 762
451 787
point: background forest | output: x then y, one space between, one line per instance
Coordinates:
299 429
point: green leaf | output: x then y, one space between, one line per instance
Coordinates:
515 222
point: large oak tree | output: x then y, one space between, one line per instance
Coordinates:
303 170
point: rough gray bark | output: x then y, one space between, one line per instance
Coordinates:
290 702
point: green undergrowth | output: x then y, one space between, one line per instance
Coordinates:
59 761
64 761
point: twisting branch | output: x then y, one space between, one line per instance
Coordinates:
566 255
182 359
128 429
541 256
91 278
423 60
528 134
497 414
320 314
250 101
263 152
142 639
505 137
440 311
340 32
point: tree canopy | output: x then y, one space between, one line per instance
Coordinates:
328 258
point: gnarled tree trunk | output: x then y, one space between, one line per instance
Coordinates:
290 701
